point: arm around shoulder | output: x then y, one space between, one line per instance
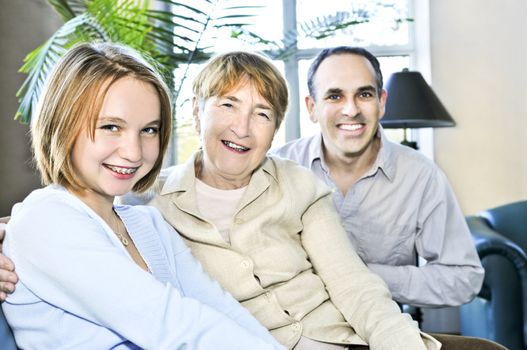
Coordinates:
54 244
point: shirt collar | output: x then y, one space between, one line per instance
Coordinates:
182 177
314 151
385 158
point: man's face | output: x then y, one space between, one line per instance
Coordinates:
346 105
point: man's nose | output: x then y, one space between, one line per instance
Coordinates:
350 108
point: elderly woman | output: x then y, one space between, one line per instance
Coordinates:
265 228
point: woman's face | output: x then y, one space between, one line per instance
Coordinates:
236 131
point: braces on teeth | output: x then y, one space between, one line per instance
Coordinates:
124 171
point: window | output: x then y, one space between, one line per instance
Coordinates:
387 34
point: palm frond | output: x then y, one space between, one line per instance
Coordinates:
173 33
68 9
193 27
177 34
317 28
39 63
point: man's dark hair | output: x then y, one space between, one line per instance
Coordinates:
339 50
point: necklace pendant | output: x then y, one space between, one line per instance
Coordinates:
123 239
125 242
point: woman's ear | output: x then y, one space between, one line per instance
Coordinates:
195 114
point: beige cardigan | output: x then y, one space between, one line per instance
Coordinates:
284 230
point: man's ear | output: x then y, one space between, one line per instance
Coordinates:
310 104
195 114
382 103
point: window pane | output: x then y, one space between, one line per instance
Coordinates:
256 17
389 65
266 23
382 29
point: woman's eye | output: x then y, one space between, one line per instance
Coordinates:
226 104
151 131
264 116
110 127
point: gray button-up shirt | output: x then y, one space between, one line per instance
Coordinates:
402 207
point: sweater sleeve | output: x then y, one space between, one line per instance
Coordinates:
65 258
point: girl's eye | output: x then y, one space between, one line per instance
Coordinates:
151 130
110 127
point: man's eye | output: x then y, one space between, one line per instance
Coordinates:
110 127
333 97
151 131
366 94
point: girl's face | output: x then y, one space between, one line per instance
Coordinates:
126 143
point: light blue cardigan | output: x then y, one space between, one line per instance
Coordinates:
79 288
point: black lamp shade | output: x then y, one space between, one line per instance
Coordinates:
412 104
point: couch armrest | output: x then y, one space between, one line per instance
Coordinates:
490 242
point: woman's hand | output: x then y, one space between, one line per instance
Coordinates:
8 277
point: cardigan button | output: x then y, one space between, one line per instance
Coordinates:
238 221
296 326
246 264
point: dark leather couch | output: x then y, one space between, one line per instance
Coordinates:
499 312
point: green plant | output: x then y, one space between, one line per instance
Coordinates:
168 31
173 33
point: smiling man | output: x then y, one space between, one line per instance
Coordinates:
394 203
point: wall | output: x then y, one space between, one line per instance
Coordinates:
24 25
478 57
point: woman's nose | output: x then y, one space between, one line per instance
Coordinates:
241 125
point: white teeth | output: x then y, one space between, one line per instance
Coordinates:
235 146
350 127
124 171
